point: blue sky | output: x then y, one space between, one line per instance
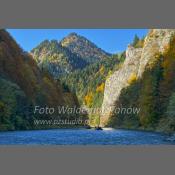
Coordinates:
111 40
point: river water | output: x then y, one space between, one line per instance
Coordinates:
82 137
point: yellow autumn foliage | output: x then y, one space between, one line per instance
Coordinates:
88 99
102 69
132 78
100 88
109 74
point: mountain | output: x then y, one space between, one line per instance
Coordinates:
87 80
50 55
88 83
84 48
72 53
23 86
144 82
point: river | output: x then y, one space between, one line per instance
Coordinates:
82 137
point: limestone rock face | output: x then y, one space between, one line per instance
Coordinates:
156 42
119 80
133 68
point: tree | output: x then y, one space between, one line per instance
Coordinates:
171 107
132 78
135 41
88 99
100 88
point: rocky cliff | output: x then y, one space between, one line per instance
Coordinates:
137 60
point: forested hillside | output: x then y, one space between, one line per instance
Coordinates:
72 53
146 82
75 72
89 82
23 85
84 48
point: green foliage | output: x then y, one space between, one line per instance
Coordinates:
14 107
137 42
72 53
84 48
128 99
171 106
142 94
57 60
153 93
23 85
149 95
167 123
91 79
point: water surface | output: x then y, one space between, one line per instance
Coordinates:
82 137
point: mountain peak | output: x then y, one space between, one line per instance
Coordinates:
83 47
73 34
71 53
